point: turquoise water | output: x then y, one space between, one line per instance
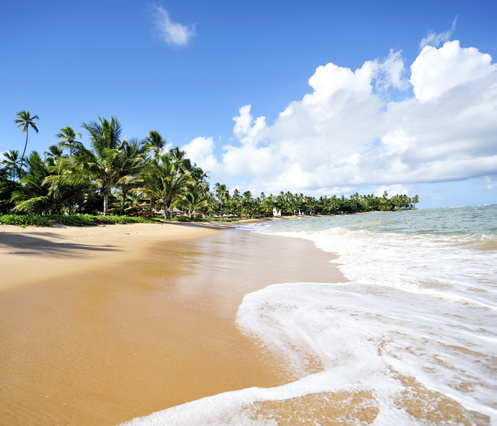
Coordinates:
413 325
462 221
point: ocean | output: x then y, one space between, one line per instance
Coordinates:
409 339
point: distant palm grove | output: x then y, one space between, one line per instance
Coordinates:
137 177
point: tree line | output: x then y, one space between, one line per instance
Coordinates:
118 175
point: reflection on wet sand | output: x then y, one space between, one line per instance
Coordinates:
125 340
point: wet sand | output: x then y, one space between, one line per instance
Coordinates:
147 325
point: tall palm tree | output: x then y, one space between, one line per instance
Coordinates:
25 121
68 136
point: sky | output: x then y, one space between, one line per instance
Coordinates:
319 97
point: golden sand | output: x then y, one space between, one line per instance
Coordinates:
101 325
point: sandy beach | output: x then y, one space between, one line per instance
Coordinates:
100 325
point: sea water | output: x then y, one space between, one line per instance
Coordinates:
409 339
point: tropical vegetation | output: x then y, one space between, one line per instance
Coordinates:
114 176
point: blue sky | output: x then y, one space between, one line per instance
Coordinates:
319 97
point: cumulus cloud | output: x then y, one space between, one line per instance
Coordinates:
391 190
170 32
491 184
200 151
435 71
246 129
346 134
391 72
434 39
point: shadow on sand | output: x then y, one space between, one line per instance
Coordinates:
37 245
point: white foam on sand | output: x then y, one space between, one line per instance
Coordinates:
423 309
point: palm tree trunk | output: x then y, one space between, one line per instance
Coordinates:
106 204
25 146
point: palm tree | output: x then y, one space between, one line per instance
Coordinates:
155 142
247 203
104 164
179 158
34 196
221 190
6 188
200 177
163 181
54 152
134 154
25 121
68 137
192 199
11 163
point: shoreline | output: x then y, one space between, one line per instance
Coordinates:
80 248
125 320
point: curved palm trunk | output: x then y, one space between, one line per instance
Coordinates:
25 146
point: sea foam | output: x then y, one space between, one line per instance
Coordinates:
410 339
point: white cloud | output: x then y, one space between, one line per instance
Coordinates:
391 72
347 134
391 190
246 130
200 151
491 183
172 33
437 70
433 39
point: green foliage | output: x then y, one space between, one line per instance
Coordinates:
118 175
25 220
163 179
92 220
206 219
70 220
